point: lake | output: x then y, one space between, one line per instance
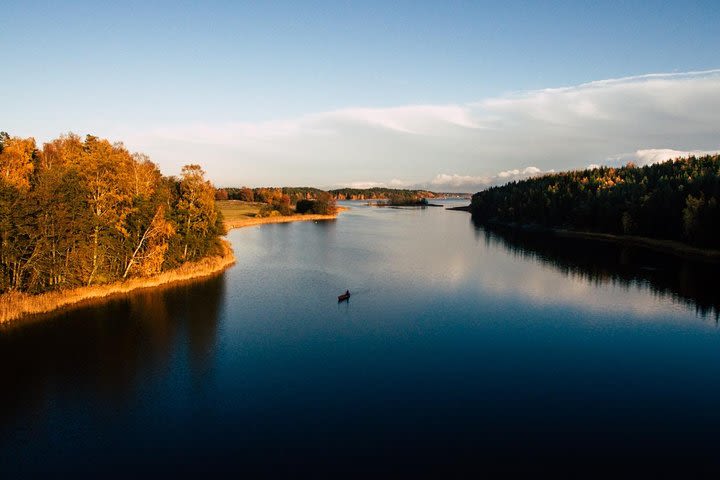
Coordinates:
461 350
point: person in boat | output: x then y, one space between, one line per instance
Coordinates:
347 292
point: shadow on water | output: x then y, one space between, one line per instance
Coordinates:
109 348
686 281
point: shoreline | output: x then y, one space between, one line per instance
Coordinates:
253 221
16 305
464 208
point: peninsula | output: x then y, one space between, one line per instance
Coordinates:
85 218
238 213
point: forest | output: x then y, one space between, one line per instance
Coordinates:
674 200
80 212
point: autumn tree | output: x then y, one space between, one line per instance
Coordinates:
221 194
247 194
81 212
198 220
16 168
148 227
16 161
106 170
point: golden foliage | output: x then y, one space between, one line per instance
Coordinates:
16 161
82 212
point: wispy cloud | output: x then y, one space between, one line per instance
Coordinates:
445 182
654 155
654 116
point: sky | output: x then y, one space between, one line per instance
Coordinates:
452 96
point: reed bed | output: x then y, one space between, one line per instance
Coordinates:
14 305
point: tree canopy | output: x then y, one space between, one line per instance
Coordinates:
86 211
676 200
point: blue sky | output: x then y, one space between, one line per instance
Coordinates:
278 92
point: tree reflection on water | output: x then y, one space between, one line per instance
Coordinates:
687 281
110 347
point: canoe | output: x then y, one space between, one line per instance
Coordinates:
343 297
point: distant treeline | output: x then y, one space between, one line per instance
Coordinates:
265 194
676 200
395 195
86 211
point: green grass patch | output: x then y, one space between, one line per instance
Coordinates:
237 210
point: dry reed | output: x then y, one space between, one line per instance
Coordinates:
14 305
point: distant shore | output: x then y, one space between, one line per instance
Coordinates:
464 208
239 214
14 305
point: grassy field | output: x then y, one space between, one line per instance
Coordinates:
238 214
237 211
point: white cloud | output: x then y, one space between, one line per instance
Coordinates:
445 182
657 116
655 155
458 181
365 184
468 183
649 156
526 172
396 183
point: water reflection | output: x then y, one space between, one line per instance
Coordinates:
686 281
108 349
460 348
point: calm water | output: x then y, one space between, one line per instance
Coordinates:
461 350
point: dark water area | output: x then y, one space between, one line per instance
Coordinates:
691 282
462 351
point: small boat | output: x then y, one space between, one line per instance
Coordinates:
344 296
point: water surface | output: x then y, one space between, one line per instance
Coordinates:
461 350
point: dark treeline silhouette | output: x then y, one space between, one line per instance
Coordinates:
675 200
404 201
378 193
295 194
80 212
687 281
266 194
324 204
